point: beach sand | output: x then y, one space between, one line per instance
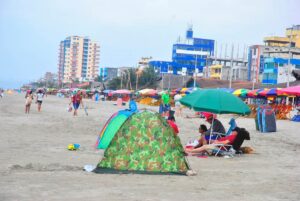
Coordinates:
36 165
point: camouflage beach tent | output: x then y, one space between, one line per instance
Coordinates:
111 127
145 143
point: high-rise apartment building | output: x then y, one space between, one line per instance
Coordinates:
78 59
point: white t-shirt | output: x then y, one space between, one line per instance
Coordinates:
40 96
177 97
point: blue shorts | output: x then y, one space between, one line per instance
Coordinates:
76 105
213 137
166 107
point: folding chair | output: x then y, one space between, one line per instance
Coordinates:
233 148
232 124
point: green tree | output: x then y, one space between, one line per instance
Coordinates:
128 79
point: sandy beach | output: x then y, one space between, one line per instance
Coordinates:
36 165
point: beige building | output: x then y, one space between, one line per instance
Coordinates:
292 35
78 59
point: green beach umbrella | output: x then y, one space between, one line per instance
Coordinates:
216 101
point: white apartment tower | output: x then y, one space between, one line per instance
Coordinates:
78 59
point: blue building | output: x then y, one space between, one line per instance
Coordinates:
188 55
276 70
108 73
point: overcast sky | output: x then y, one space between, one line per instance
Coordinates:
30 30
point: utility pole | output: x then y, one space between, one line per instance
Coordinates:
162 80
195 72
137 80
231 66
221 52
169 77
121 79
289 60
216 53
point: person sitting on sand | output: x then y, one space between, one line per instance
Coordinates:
216 126
228 140
202 140
171 121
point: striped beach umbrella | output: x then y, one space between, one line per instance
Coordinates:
269 92
240 92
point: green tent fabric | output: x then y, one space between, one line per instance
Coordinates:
144 144
215 101
111 129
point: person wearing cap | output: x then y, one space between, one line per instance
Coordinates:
228 140
216 126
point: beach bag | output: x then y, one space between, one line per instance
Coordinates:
69 108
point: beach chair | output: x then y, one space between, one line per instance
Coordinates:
235 147
232 124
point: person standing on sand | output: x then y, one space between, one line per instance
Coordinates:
178 106
29 98
39 99
1 93
76 99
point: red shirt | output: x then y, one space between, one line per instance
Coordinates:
231 138
174 126
76 98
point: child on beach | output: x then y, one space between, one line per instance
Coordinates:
39 99
29 98
171 121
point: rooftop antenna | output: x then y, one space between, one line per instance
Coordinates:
237 52
216 52
244 53
221 50
225 50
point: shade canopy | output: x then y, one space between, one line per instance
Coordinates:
122 91
215 101
241 92
295 91
148 91
269 92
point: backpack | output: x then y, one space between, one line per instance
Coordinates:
242 135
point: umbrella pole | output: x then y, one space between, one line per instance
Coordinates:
211 129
